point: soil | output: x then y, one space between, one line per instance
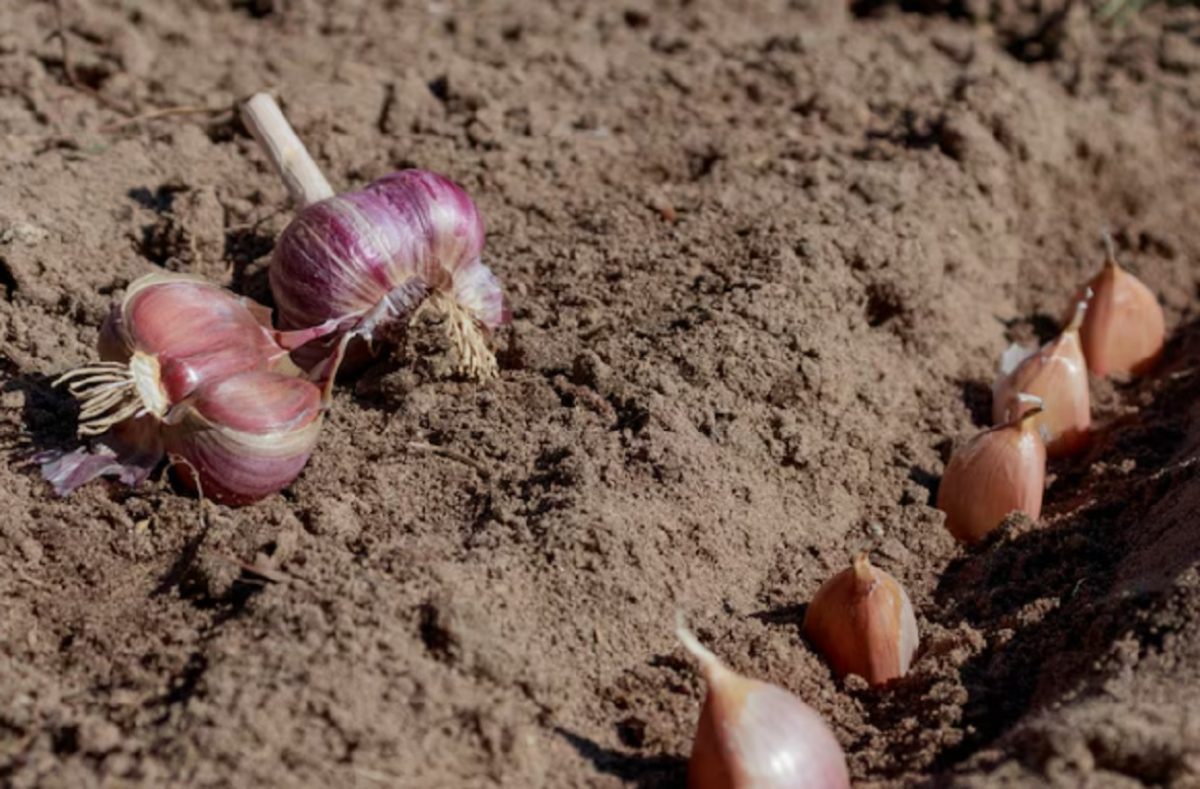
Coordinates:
763 258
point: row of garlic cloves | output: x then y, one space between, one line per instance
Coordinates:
1041 404
756 735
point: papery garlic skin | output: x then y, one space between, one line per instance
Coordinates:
370 258
192 371
195 332
1124 330
1058 374
862 621
999 471
754 735
129 451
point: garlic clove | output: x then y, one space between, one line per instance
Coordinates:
999 471
169 335
1058 374
753 734
1124 329
197 331
246 436
862 622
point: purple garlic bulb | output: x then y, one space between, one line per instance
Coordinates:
193 373
366 260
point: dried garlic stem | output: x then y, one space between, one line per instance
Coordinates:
303 178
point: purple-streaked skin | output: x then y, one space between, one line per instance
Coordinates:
195 372
198 332
369 258
246 436
130 451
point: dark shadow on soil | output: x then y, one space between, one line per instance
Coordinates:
1047 593
1046 327
159 240
648 772
179 569
977 397
792 615
48 416
955 9
928 480
160 200
7 280
1040 40
246 251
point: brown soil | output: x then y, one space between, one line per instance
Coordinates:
762 262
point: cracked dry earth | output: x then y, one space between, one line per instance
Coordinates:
762 261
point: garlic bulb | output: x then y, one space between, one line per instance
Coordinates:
192 370
754 735
1058 374
368 259
1124 329
999 471
862 622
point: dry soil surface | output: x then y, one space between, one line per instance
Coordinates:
763 258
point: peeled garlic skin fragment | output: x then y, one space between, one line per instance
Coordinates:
754 735
999 471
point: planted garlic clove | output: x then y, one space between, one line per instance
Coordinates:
246 436
1124 328
862 622
999 471
754 735
1058 374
